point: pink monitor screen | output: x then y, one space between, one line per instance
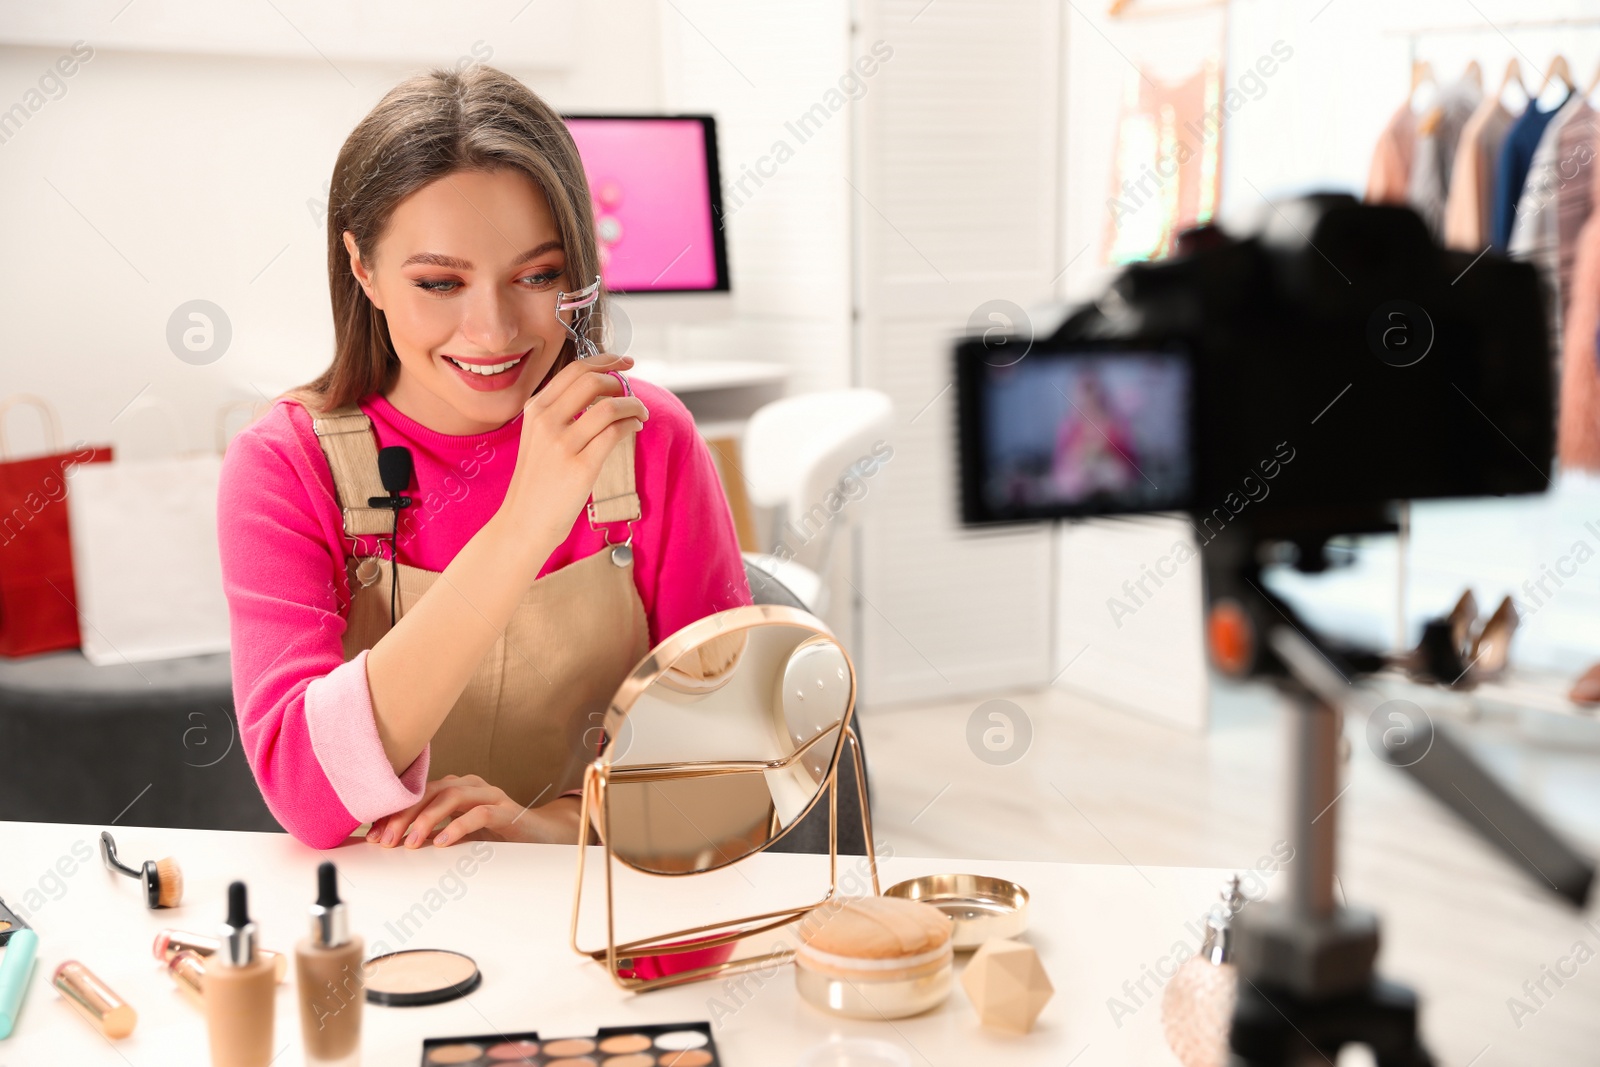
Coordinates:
653 185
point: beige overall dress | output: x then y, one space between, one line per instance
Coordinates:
530 717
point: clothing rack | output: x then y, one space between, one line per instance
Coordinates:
1414 33
1590 21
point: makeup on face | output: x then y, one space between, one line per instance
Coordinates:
662 1045
488 375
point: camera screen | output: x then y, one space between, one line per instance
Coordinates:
1086 432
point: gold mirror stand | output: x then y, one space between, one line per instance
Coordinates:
595 779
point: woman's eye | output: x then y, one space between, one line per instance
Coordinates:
543 278
435 286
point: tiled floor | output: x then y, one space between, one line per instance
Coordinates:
1099 786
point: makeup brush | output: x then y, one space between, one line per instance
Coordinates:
162 879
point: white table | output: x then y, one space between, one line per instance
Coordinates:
720 394
699 376
1096 928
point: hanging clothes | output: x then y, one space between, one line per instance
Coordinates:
1578 427
1434 153
1578 435
1166 171
1511 169
1576 197
1535 235
1467 214
1390 173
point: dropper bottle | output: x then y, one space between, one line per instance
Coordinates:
239 986
330 982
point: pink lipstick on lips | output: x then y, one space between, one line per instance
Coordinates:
491 374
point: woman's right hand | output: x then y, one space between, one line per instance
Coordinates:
561 450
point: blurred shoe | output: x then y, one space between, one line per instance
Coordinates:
1491 651
1586 690
1444 650
1462 617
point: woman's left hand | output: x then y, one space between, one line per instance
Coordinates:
466 808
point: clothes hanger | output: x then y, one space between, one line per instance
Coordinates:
1473 73
1513 74
1422 75
1558 69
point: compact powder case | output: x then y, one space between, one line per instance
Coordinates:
670 1045
979 907
874 957
419 976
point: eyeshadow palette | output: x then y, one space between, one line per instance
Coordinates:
10 923
671 1045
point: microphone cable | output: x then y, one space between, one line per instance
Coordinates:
395 467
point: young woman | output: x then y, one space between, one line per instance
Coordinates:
563 520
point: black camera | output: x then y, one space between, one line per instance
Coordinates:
1296 380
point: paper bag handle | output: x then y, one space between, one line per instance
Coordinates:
252 408
48 417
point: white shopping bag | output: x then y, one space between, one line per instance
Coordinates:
144 553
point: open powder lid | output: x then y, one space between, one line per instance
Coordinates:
875 928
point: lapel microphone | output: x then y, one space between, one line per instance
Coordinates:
394 470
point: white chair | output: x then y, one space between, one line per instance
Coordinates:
811 457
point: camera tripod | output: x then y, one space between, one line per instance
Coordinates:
1307 980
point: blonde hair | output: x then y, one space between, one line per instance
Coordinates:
428 126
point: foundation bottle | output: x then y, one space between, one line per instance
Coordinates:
239 992
329 981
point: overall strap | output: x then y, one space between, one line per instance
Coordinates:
615 499
346 437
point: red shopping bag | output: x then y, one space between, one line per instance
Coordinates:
38 601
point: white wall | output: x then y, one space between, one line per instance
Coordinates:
161 176
758 67
187 159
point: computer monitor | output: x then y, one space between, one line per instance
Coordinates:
657 196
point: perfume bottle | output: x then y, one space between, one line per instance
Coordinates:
1197 1006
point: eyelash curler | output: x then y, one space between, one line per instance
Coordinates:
581 304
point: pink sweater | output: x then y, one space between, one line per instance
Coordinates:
305 715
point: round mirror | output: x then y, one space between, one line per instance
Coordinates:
722 739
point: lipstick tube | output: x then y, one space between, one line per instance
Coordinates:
188 972
169 943
94 1000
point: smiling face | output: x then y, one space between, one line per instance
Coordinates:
466 274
